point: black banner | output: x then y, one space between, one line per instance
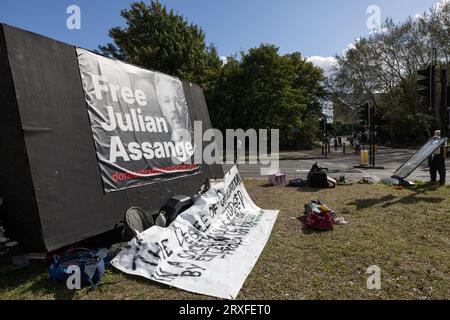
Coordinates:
140 122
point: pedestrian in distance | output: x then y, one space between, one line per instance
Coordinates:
437 162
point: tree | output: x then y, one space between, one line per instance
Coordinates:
164 41
309 79
381 68
263 89
258 89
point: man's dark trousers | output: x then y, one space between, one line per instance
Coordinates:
438 165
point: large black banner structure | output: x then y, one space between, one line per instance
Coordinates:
56 161
140 122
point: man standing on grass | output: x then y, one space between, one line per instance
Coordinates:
438 162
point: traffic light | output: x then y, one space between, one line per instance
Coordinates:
364 115
428 82
443 104
329 128
447 118
380 119
444 77
322 122
447 114
324 127
448 96
444 89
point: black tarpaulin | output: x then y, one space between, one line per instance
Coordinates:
48 167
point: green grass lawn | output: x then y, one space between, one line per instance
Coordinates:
404 232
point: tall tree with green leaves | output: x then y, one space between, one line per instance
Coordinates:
259 89
162 40
382 68
265 90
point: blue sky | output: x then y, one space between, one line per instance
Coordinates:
313 27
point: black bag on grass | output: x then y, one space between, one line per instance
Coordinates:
318 177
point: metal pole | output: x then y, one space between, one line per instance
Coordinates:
372 130
370 134
435 56
371 124
443 106
372 150
433 84
325 136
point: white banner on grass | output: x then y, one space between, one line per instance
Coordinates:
210 248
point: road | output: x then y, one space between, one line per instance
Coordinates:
339 164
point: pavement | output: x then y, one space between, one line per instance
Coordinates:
339 164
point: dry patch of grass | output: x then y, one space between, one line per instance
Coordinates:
404 232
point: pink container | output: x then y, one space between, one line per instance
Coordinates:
273 179
277 179
281 178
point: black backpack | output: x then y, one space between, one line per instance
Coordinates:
318 177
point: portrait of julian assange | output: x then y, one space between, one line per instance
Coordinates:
172 101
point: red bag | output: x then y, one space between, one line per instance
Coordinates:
320 221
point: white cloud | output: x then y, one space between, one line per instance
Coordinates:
326 63
224 60
350 46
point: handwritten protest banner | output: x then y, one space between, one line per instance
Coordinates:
209 249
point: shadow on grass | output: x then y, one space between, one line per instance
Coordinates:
309 189
46 286
308 231
33 279
390 200
161 290
305 189
34 282
268 185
